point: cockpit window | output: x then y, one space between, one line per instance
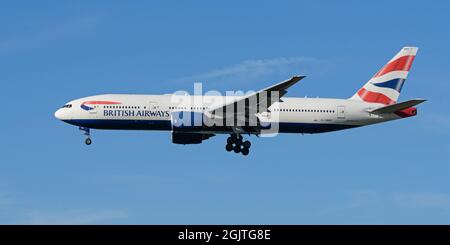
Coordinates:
67 106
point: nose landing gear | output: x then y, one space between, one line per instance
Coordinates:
87 132
235 143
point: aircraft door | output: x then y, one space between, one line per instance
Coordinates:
341 112
153 106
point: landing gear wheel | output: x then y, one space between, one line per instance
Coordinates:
230 140
245 151
235 143
87 133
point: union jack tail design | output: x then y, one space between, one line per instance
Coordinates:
385 86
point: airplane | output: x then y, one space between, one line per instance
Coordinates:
191 119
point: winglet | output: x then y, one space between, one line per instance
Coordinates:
284 85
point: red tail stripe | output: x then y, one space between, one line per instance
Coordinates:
401 64
374 97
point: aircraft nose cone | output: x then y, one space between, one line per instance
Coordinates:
59 114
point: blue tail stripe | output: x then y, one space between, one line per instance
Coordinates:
87 108
396 84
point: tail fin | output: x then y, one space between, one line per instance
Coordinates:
385 86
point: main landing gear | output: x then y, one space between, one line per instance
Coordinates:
87 132
235 143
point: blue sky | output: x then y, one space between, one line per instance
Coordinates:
55 51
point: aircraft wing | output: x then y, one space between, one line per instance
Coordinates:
258 101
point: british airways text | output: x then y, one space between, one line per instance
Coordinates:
131 113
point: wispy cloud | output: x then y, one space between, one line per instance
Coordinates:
75 217
13 211
422 199
372 199
363 198
402 199
443 120
5 200
435 122
255 68
43 33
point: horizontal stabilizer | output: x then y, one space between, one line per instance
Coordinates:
397 107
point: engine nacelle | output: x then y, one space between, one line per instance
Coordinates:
187 138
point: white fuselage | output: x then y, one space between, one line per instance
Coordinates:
154 112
